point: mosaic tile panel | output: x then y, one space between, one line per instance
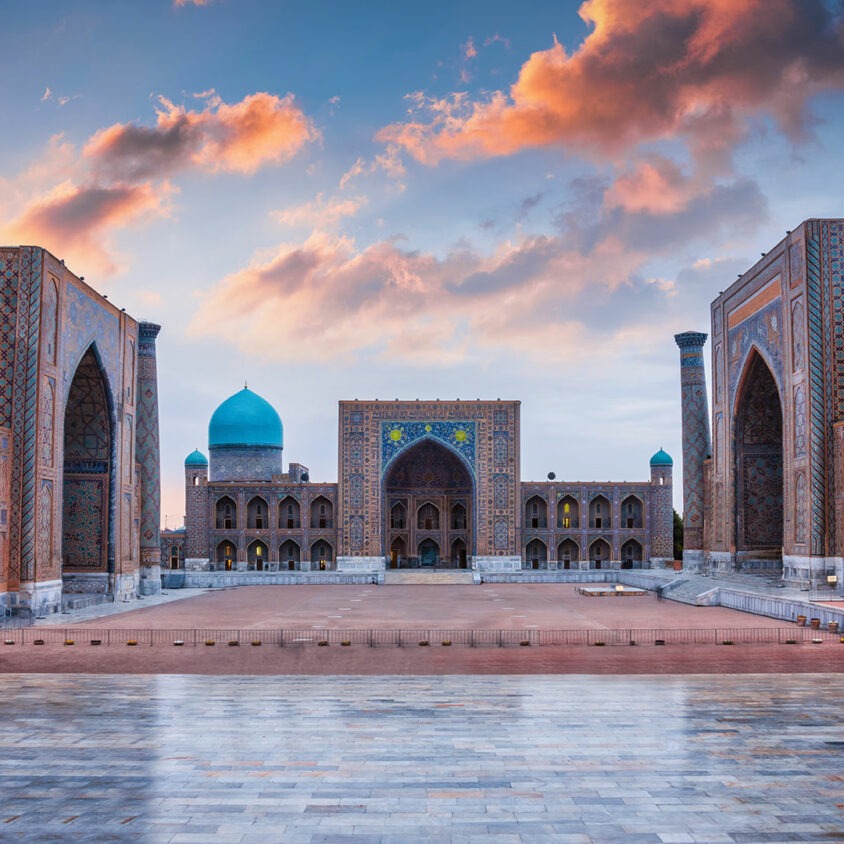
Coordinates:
696 441
147 449
84 506
457 435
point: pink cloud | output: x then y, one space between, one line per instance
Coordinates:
320 213
262 129
693 68
72 220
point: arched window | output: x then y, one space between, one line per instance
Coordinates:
458 517
599 513
256 555
226 514
256 514
428 517
536 553
599 552
631 554
226 554
568 552
536 513
631 513
398 516
322 513
288 514
289 554
568 513
321 553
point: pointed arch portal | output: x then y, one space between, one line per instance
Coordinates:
426 479
758 464
88 477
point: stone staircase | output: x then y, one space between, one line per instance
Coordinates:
393 577
689 590
82 600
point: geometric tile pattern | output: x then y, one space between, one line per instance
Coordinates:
147 450
378 431
440 760
697 446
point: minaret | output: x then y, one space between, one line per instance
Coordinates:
148 455
697 446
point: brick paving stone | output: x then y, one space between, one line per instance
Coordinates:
187 758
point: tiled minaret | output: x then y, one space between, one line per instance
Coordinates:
697 445
148 455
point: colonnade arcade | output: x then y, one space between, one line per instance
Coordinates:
271 537
428 496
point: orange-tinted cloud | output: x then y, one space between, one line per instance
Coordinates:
259 130
646 71
656 185
71 221
320 213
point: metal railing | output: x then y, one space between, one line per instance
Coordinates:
431 637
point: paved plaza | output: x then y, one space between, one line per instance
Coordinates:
636 760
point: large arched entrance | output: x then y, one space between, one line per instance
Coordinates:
87 517
428 504
758 469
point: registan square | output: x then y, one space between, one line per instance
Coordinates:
422 424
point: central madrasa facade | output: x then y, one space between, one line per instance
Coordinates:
421 484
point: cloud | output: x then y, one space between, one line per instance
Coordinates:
49 96
596 281
321 213
72 220
262 129
699 69
191 2
388 162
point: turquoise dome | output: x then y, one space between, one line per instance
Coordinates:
662 458
245 419
196 458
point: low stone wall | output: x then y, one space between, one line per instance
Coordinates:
781 608
496 564
364 564
226 579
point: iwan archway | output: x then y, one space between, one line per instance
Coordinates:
428 504
88 482
758 471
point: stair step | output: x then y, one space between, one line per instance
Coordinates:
392 577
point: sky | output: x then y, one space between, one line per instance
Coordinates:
334 200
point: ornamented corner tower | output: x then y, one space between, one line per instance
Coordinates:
148 455
197 551
697 447
662 514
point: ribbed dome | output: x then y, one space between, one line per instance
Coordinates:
196 458
662 458
245 419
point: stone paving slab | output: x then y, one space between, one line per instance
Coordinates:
472 759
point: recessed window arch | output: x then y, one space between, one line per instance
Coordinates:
536 512
226 511
257 514
632 513
568 513
600 513
322 513
398 516
428 517
289 517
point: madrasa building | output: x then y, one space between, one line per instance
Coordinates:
421 484
763 493
79 447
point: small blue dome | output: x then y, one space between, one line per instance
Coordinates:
245 419
662 458
196 458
